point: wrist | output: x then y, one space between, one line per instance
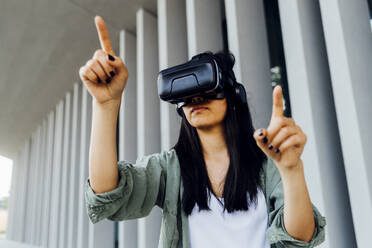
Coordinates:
113 104
292 171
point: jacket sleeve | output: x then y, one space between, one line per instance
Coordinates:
276 233
141 186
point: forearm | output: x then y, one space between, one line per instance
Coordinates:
298 213
103 170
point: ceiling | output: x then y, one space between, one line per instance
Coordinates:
43 43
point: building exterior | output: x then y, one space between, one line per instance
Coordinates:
319 51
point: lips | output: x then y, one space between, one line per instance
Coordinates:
197 108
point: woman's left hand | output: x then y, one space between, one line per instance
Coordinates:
283 140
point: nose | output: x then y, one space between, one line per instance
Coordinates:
197 99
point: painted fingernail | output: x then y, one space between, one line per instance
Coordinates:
265 140
261 133
270 147
108 80
99 80
112 73
277 150
111 58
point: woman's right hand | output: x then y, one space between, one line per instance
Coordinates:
105 75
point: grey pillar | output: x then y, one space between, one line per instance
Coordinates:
128 126
22 200
313 109
85 126
204 26
349 45
247 38
148 121
56 177
172 51
73 196
37 167
42 185
12 198
48 181
30 190
65 174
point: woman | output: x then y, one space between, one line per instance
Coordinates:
222 185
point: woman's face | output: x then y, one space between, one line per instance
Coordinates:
201 113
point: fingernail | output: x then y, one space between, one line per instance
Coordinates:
265 140
112 73
261 133
277 150
99 80
111 58
108 80
270 147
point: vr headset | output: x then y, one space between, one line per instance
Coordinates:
201 76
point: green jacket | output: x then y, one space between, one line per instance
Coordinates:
155 180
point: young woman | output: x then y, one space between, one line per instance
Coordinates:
222 185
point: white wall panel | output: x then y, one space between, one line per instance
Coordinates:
36 167
247 36
48 181
204 26
22 200
65 174
127 233
30 192
85 127
56 177
41 187
73 196
349 45
148 113
172 51
313 109
12 198
17 194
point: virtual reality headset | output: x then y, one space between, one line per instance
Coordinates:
201 76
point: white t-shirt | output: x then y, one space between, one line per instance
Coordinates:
240 229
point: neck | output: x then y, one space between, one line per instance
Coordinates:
213 141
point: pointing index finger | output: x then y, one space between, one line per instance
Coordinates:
103 35
277 102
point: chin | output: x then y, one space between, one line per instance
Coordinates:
202 124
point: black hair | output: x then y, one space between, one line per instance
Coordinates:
246 158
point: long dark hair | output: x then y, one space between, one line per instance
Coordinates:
246 158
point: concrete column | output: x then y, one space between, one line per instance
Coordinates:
66 166
17 196
37 166
349 47
48 181
22 219
204 26
148 113
12 198
30 190
73 195
41 186
102 234
313 109
56 177
248 42
128 127
172 51
85 127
